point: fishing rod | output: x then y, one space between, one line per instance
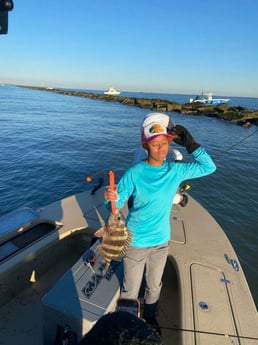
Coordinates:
234 145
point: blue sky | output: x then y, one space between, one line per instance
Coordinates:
134 45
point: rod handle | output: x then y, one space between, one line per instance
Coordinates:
112 187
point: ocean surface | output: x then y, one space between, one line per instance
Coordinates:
50 143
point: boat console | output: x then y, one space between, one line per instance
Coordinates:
84 294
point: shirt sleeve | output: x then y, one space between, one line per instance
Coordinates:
202 166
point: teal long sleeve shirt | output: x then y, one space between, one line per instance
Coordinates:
153 189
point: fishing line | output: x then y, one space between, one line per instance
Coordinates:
234 145
210 333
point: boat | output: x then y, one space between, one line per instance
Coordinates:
112 91
52 283
208 99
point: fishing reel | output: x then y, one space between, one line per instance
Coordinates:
100 173
5 7
89 179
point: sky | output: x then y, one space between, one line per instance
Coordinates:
166 46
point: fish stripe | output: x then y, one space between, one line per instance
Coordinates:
116 239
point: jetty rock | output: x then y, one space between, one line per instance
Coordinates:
238 115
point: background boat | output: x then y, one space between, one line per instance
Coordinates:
112 91
207 99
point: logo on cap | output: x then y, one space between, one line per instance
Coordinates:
156 128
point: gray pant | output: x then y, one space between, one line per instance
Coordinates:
153 260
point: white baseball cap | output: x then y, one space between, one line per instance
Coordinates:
156 117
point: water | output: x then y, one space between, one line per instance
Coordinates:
50 142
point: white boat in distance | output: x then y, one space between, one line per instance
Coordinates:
52 284
112 91
207 98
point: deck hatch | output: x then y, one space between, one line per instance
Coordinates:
211 303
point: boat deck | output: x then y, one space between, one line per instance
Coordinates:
21 318
205 299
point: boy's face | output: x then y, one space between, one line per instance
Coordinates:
157 150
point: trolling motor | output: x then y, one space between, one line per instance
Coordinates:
184 188
5 7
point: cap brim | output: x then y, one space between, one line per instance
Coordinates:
170 136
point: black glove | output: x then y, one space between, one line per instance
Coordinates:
185 139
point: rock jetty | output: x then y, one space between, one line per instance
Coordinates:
238 115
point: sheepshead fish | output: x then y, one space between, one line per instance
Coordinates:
116 238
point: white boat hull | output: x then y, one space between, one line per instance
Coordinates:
214 101
207 99
112 93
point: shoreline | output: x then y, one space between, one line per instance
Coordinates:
238 115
